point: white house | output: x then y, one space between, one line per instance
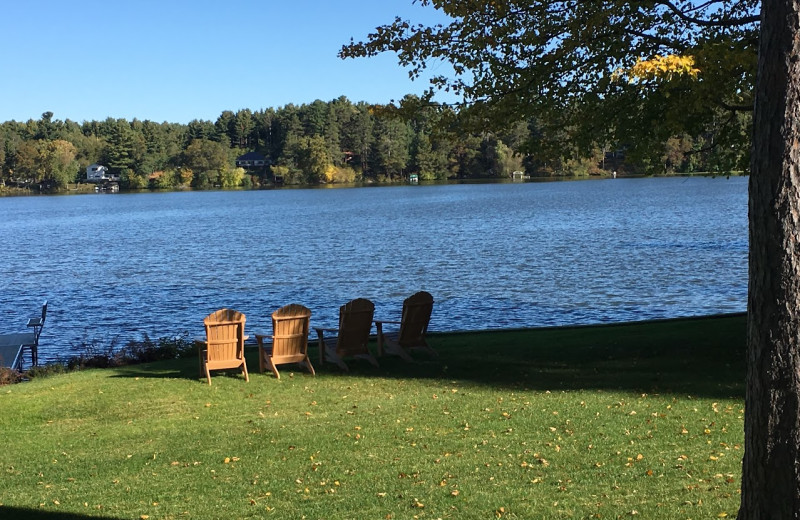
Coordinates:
251 160
98 173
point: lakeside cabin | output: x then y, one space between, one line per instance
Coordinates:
98 173
251 160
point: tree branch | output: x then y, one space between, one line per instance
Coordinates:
730 22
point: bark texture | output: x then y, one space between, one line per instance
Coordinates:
771 465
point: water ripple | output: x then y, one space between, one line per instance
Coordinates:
493 255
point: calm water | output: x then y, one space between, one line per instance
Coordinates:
493 255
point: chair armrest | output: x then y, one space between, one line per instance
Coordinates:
386 321
35 322
325 329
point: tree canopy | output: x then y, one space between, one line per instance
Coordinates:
568 65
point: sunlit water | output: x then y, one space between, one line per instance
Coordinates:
492 255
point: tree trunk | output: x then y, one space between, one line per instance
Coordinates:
771 465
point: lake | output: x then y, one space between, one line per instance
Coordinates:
115 266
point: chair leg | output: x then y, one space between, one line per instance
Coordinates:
310 367
201 354
244 371
333 357
379 327
272 367
261 354
208 375
372 360
397 350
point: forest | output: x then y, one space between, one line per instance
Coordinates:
330 142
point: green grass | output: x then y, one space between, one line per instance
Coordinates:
588 422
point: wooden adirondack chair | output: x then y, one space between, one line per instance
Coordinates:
413 328
224 344
352 336
289 339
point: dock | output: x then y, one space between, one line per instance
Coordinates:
12 346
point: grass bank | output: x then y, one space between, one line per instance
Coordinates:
586 422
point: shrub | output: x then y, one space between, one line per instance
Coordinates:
9 376
48 369
147 350
95 354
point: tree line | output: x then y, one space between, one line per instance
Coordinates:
323 142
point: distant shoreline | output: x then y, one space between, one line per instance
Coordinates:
89 188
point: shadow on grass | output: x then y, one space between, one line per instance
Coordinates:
14 513
694 356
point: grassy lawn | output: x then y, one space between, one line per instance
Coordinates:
588 422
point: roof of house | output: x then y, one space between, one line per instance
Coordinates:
251 156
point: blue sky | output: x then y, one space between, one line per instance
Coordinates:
177 60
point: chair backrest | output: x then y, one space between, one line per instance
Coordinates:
417 310
290 330
225 335
355 323
38 323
